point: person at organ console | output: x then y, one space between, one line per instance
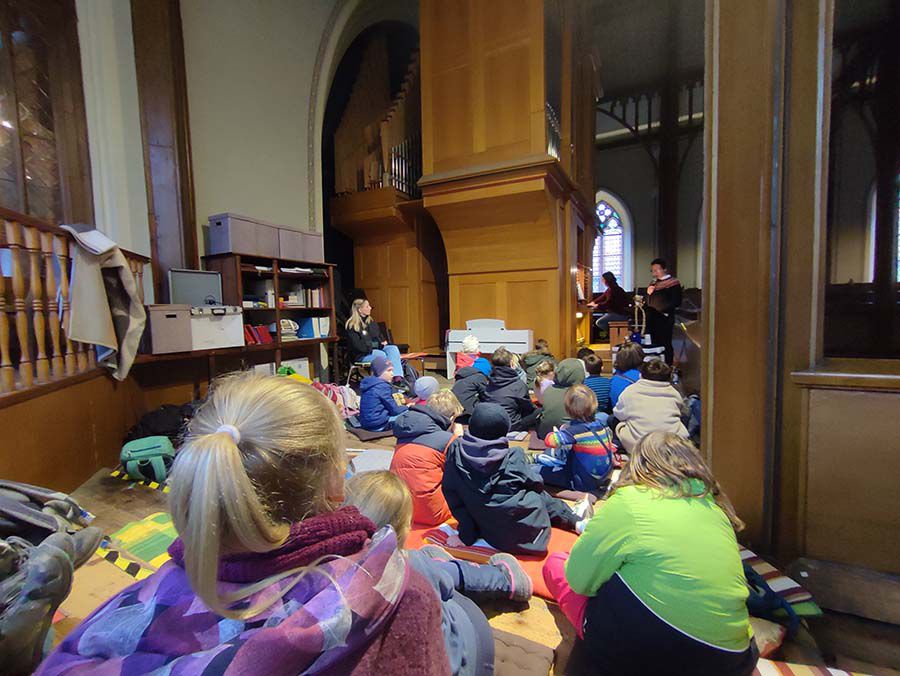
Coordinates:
663 298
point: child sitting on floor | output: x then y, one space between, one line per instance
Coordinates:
269 574
385 498
471 355
468 387
423 435
424 388
543 378
598 383
531 360
568 372
495 494
650 405
509 391
377 408
627 365
655 584
581 456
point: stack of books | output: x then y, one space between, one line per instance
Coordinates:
257 335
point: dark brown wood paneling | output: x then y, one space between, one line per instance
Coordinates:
162 90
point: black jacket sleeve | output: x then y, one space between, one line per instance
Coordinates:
521 472
524 401
357 344
468 529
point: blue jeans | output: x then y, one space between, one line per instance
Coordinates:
480 582
604 320
391 353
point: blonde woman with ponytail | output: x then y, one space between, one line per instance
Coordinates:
364 339
656 584
269 573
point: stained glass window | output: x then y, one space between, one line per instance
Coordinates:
609 254
40 158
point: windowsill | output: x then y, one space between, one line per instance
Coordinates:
851 374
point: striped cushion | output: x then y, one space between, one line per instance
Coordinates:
781 584
771 668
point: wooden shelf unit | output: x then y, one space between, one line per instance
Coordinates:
239 271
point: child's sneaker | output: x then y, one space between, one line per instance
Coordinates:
519 582
583 509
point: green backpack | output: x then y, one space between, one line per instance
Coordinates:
148 459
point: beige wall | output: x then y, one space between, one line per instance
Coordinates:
249 79
114 123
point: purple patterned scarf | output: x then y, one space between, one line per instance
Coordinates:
160 624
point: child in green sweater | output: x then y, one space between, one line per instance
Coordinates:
655 584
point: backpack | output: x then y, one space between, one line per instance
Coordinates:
167 421
764 602
148 459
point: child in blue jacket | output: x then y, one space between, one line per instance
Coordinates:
581 453
377 408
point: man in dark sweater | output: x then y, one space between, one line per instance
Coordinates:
505 388
664 297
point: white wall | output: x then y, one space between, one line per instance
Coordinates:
114 123
249 80
628 172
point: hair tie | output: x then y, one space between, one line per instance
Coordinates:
232 431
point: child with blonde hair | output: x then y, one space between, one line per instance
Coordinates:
544 373
424 433
656 579
581 452
385 498
269 573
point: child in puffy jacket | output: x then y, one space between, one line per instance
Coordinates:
423 435
496 494
377 408
581 452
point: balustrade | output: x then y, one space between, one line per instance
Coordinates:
35 287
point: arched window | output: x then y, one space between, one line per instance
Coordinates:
612 248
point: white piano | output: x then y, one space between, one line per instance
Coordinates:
491 334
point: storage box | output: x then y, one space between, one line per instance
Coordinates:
301 246
216 326
170 328
233 233
300 365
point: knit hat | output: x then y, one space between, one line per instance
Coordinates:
483 365
425 387
380 365
489 421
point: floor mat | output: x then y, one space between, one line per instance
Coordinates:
366 435
480 552
147 539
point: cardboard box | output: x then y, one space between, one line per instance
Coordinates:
170 328
233 233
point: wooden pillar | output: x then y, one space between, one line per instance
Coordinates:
804 259
742 219
162 93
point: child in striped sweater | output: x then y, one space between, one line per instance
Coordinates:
581 453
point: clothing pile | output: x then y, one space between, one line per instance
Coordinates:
44 537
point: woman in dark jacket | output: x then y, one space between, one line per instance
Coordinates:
364 339
613 302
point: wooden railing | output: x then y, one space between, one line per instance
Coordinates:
35 286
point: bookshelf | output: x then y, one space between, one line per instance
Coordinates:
306 290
